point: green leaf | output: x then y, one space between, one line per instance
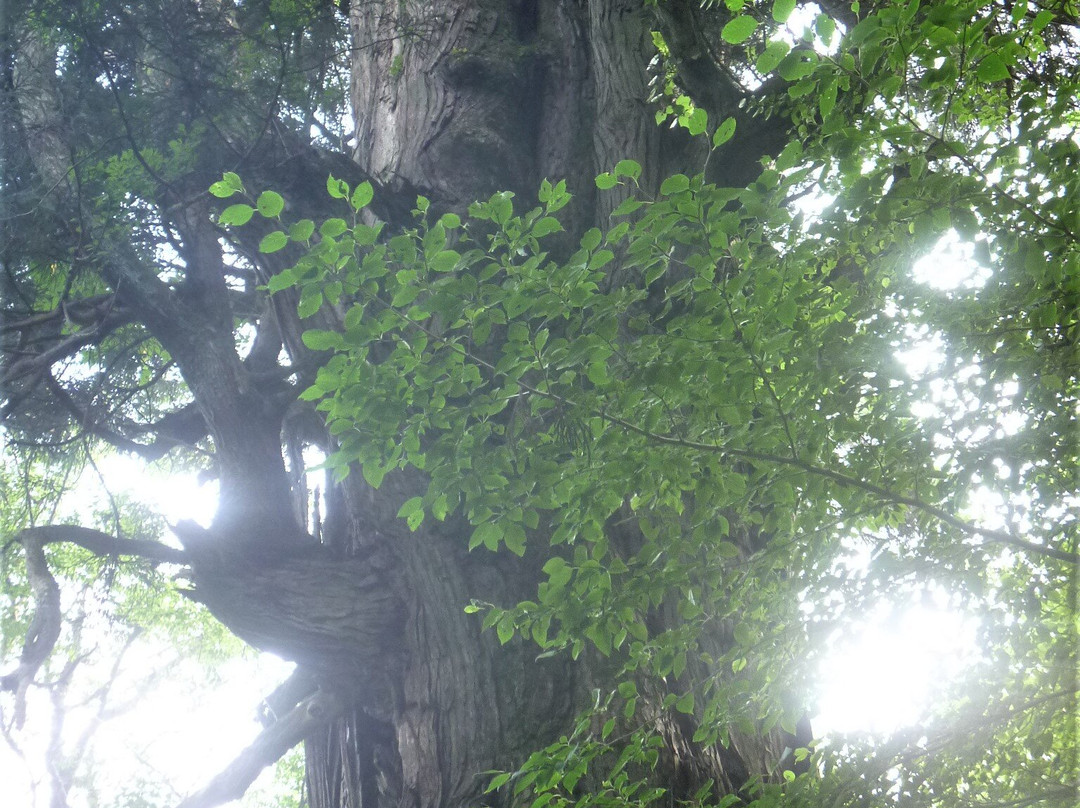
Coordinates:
497 782
309 303
365 235
1042 19
272 242
825 27
606 181
723 132
992 68
797 65
373 473
222 190
771 57
558 571
786 311
410 507
628 168
685 704
322 340
228 185
332 228
514 539
505 630
546 226
301 231
591 239
626 207
738 30
282 280
362 196
728 550
697 122
270 204
674 184
782 10
743 635
236 215
444 261
487 534
791 155
338 189
827 98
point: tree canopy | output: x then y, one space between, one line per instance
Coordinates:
687 442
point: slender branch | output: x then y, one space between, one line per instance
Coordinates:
273 742
966 527
62 350
84 312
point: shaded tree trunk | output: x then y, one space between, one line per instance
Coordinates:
458 100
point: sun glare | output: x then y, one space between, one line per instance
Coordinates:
175 496
184 727
882 675
185 730
951 265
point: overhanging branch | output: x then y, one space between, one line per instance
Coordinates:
100 543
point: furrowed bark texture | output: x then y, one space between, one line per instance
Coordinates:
494 95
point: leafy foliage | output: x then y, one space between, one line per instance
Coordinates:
705 405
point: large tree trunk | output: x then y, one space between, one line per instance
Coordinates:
458 100
462 99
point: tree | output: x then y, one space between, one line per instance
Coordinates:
634 426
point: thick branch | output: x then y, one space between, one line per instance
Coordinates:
699 73
182 427
716 89
86 311
273 742
102 544
286 696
